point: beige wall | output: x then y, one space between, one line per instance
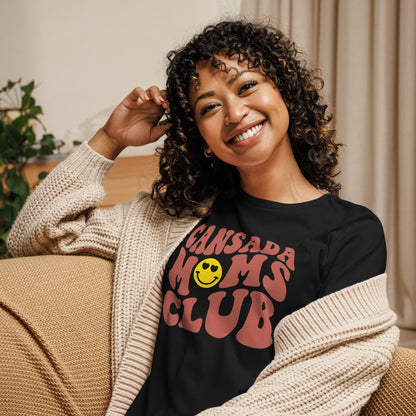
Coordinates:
87 54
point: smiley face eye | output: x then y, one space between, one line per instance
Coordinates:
205 266
214 268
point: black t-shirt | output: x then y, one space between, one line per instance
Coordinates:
234 277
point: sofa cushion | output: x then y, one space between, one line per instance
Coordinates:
396 395
55 314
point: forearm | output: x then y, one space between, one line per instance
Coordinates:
103 144
338 382
330 357
61 216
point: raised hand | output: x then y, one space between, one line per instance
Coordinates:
134 122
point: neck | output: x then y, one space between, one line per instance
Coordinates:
278 180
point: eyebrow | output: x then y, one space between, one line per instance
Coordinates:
229 82
204 95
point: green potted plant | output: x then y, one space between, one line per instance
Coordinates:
19 115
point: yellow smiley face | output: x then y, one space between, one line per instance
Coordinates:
208 273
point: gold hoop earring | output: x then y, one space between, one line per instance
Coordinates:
207 154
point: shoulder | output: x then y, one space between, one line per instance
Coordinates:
146 208
356 227
347 215
146 212
348 208
356 247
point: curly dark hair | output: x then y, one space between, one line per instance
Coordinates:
187 177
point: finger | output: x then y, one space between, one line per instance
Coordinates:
164 94
158 96
155 94
143 97
166 103
138 95
159 130
135 94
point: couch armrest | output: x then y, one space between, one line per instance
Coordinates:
396 395
55 314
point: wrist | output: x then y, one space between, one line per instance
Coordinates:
103 144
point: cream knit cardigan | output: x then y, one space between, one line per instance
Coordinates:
329 356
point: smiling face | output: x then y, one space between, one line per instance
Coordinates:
207 273
240 114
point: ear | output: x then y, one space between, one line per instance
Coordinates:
207 151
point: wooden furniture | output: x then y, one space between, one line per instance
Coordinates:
128 176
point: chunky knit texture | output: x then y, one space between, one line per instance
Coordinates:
330 355
396 394
55 314
60 218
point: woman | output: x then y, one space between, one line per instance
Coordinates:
243 282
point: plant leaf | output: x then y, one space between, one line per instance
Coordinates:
30 135
9 86
20 121
3 141
28 88
9 153
35 110
13 136
5 234
16 204
28 101
31 152
43 175
8 214
17 185
47 144
3 247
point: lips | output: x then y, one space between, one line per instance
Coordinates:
246 132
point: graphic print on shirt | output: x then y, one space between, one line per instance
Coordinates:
208 273
227 284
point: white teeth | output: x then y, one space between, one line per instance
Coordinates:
246 134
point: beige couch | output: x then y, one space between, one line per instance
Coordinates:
55 342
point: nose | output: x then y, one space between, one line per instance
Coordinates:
235 111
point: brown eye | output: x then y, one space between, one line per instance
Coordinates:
207 108
246 86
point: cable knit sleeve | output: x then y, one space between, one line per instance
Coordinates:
60 216
330 357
